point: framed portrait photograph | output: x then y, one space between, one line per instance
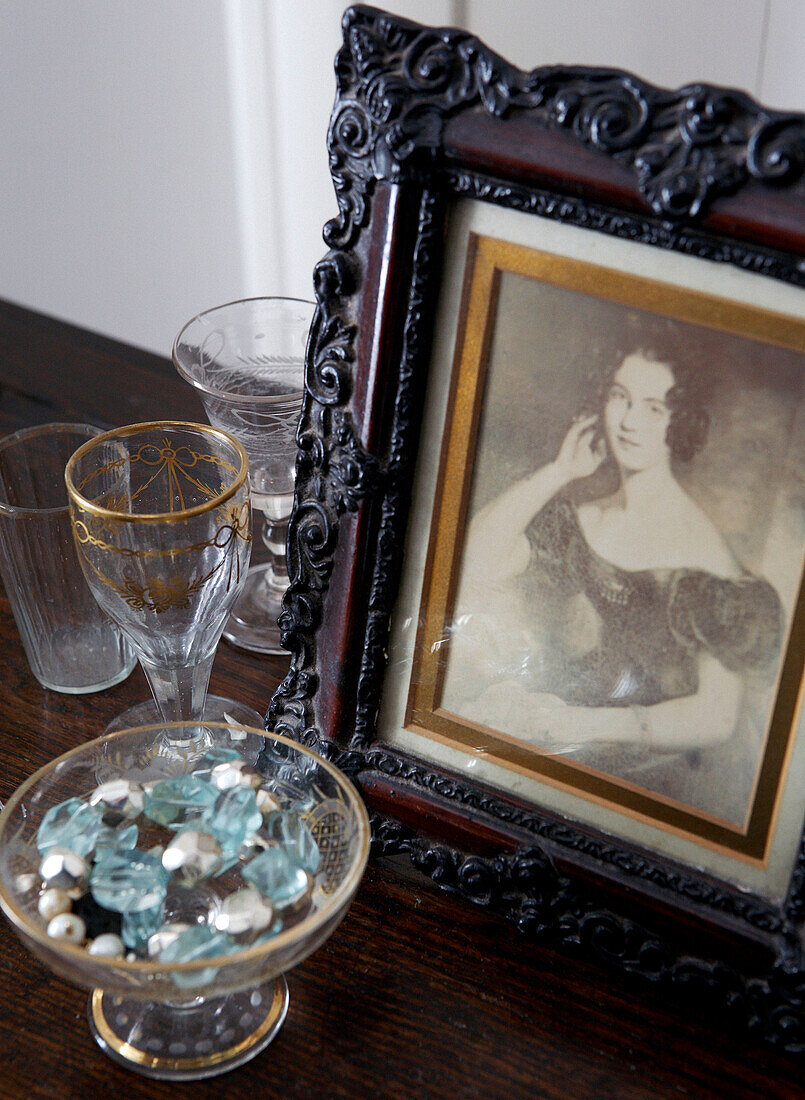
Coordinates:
546 555
614 557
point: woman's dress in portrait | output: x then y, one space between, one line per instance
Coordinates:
601 636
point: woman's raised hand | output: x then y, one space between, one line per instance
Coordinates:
581 453
497 545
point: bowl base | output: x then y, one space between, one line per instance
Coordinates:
188 1042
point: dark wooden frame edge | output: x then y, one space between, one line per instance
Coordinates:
424 115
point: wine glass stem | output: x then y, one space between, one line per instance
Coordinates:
275 534
179 692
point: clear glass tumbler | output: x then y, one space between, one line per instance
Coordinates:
71 644
246 361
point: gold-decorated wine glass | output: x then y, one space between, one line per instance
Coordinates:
162 523
246 362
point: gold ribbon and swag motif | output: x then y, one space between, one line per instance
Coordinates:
160 594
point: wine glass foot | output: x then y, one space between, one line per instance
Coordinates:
252 624
188 1042
216 709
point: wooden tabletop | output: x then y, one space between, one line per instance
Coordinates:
416 994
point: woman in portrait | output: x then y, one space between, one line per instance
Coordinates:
644 623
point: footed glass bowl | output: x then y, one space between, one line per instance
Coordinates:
163 1009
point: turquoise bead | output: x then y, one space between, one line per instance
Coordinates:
277 877
73 824
121 839
198 942
128 882
232 817
136 928
208 760
177 802
292 834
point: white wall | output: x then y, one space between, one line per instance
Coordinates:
161 156
117 165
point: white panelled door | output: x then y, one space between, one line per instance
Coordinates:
161 157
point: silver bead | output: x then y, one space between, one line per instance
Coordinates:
164 936
192 855
234 773
63 869
68 928
120 800
267 803
107 946
52 902
245 914
253 845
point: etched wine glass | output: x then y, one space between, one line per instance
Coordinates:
246 361
162 525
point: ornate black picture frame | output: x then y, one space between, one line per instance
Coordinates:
424 118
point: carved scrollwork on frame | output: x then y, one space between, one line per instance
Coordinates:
524 886
589 215
399 83
398 86
334 473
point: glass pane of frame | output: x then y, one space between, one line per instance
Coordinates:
600 609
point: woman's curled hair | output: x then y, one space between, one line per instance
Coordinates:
689 420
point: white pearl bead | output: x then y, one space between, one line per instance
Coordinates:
109 945
53 902
68 928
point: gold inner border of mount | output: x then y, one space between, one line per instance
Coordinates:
487 259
